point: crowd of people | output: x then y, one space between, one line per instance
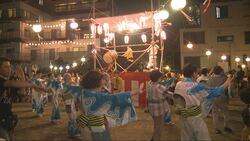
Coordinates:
95 101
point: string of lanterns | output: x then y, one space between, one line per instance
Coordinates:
131 26
58 42
67 67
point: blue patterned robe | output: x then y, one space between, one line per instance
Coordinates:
56 86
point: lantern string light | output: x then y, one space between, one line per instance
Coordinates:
62 24
58 42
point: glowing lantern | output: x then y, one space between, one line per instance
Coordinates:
142 21
243 66
167 68
60 68
223 57
83 59
208 52
126 39
74 25
106 27
248 59
189 45
37 28
157 27
67 67
144 38
106 40
93 29
162 15
74 64
163 35
133 26
51 67
237 59
178 4
55 68
99 29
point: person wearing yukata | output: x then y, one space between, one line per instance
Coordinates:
95 106
8 119
38 95
69 102
157 103
170 84
188 96
56 86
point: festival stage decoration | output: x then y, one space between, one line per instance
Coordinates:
129 54
110 57
106 27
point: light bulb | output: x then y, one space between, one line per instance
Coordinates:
37 28
178 4
74 25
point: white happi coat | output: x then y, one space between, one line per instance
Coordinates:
192 128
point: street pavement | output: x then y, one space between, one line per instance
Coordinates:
30 127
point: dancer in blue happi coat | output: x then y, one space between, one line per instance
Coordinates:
190 96
95 106
69 101
56 87
38 95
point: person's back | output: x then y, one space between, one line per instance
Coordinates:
245 97
216 80
221 102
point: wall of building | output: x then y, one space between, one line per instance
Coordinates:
237 23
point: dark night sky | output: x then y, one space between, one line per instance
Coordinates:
131 6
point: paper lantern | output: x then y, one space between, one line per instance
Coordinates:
37 28
106 28
93 29
178 4
144 38
126 39
99 29
74 25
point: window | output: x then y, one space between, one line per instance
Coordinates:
247 37
194 37
221 12
51 54
33 55
195 60
195 13
226 38
12 12
75 49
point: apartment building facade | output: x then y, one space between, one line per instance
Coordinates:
56 40
224 30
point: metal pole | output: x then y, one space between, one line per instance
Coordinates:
153 39
94 55
162 51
